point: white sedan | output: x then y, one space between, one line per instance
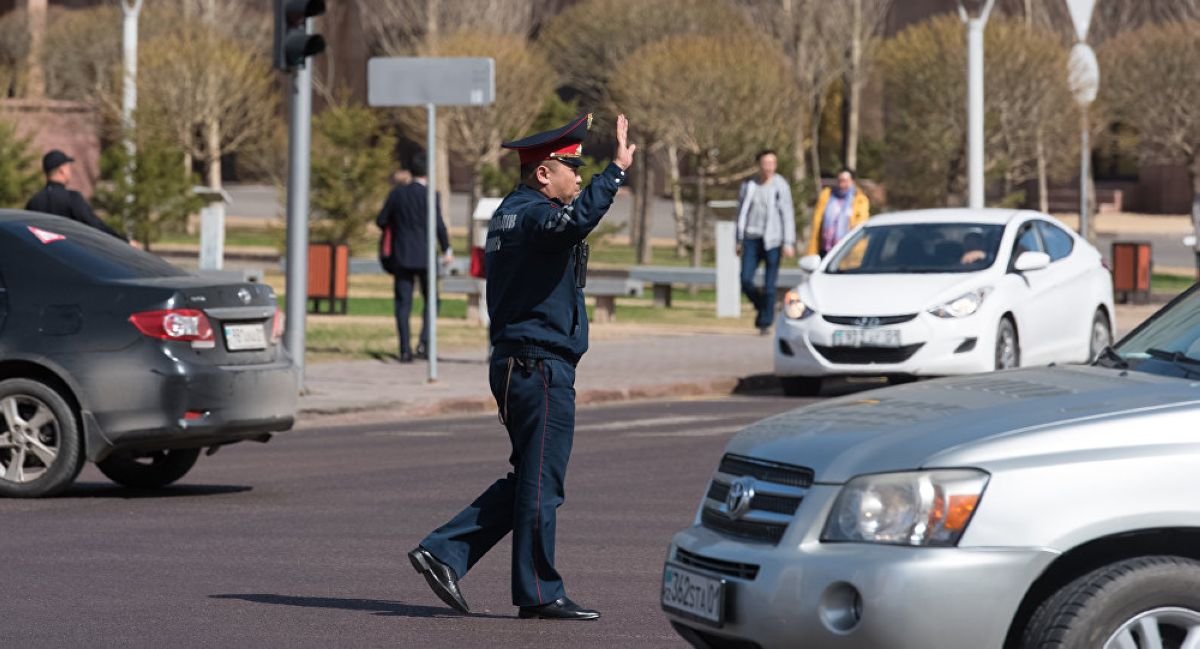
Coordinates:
948 291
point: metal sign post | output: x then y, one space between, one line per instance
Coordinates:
975 14
431 82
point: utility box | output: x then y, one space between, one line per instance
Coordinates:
328 278
1131 270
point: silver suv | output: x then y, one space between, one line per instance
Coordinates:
1049 507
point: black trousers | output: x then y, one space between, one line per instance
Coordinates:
537 402
405 278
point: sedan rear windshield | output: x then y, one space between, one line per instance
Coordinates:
919 248
87 250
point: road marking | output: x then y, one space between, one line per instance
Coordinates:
646 423
408 433
693 432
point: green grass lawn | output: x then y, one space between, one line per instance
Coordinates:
1160 283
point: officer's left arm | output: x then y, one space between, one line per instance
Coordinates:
562 227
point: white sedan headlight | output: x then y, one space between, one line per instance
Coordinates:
963 305
924 508
794 308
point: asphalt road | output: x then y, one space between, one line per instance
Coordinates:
302 542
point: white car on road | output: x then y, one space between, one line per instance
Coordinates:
940 292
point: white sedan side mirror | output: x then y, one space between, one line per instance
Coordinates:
810 263
1031 261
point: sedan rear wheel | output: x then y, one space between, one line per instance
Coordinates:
149 470
1008 351
40 448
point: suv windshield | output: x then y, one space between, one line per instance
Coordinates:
1168 343
919 248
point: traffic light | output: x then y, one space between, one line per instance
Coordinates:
293 43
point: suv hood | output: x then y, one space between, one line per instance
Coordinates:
904 427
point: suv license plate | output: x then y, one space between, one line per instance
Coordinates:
693 595
866 338
244 337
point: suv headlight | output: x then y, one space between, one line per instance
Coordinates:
795 309
924 508
963 305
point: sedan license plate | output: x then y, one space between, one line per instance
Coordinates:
693 595
244 337
866 338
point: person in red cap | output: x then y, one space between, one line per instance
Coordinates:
536 262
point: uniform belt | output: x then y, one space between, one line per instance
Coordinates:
521 350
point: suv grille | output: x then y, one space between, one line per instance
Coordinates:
867 355
868 321
778 489
747 571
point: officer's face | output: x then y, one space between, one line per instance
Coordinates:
560 180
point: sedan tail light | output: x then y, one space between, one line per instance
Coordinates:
277 326
182 325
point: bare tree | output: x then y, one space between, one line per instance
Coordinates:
1152 83
199 81
35 11
594 39
474 133
1027 105
658 86
417 28
812 35
867 20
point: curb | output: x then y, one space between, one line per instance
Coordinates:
595 396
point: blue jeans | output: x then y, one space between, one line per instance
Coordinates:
753 253
537 404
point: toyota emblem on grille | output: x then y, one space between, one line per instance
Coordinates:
244 296
741 492
867 322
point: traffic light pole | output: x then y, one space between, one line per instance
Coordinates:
431 298
299 161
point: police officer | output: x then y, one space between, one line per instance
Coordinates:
56 199
536 264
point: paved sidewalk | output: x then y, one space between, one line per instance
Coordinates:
643 367
647 366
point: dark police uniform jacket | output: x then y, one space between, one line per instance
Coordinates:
534 302
56 199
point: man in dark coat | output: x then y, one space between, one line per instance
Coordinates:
56 199
405 251
536 263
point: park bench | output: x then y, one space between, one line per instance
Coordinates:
665 278
605 290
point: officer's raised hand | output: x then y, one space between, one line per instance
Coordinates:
624 155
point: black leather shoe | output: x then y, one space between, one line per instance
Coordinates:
406 358
559 609
441 579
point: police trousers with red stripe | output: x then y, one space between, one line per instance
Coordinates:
536 398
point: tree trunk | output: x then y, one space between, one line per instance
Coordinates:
473 202
645 251
800 153
36 13
1194 172
1043 182
637 211
852 90
213 146
815 139
698 214
681 226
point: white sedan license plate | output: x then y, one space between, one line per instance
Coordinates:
866 338
244 337
694 595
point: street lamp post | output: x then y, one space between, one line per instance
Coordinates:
1083 77
975 14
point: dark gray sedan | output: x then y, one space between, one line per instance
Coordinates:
112 355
